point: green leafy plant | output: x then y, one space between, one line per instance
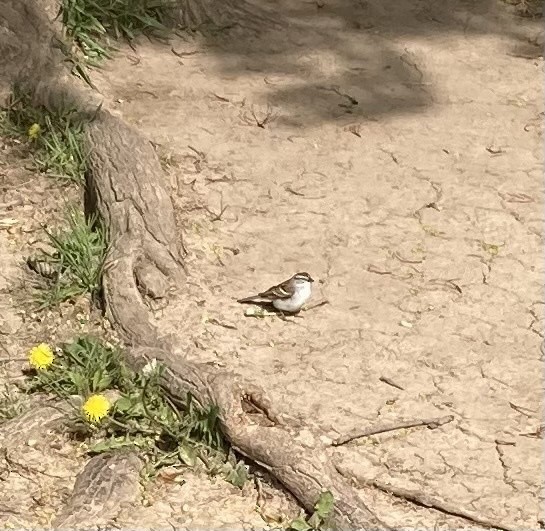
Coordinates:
321 518
55 139
235 472
77 261
86 366
142 416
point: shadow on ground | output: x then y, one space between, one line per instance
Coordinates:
325 35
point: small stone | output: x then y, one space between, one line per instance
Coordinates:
406 324
11 326
326 440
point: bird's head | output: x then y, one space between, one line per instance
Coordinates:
302 278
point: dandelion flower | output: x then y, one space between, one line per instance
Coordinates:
96 408
41 356
34 131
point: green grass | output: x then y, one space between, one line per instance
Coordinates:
77 261
141 417
54 139
92 24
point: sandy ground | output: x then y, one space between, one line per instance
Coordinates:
401 165
401 168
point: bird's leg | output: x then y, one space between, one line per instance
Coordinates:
286 318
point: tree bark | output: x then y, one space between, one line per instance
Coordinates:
124 184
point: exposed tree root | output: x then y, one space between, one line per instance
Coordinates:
107 483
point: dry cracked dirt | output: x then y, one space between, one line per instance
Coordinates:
394 151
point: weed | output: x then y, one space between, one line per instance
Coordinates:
84 367
321 519
90 23
12 403
76 264
141 416
56 139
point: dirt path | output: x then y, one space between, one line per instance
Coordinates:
402 168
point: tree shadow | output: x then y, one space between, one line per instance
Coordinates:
329 59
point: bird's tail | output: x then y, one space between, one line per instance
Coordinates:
252 299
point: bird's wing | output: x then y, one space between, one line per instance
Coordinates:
281 291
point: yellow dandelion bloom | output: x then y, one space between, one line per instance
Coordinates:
34 131
96 408
41 356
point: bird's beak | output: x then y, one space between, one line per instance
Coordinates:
310 278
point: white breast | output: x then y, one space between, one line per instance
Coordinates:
293 304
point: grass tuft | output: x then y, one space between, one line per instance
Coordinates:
92 24
55 139
77 261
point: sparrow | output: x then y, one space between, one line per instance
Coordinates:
289 296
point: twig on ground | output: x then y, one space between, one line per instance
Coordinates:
372 269
388 381
451 509
527 412
537 433
215 216
294 192
223 324
449 283
221 98
383 428
317 305
260 499
395 254
183 54
268 117
201 154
